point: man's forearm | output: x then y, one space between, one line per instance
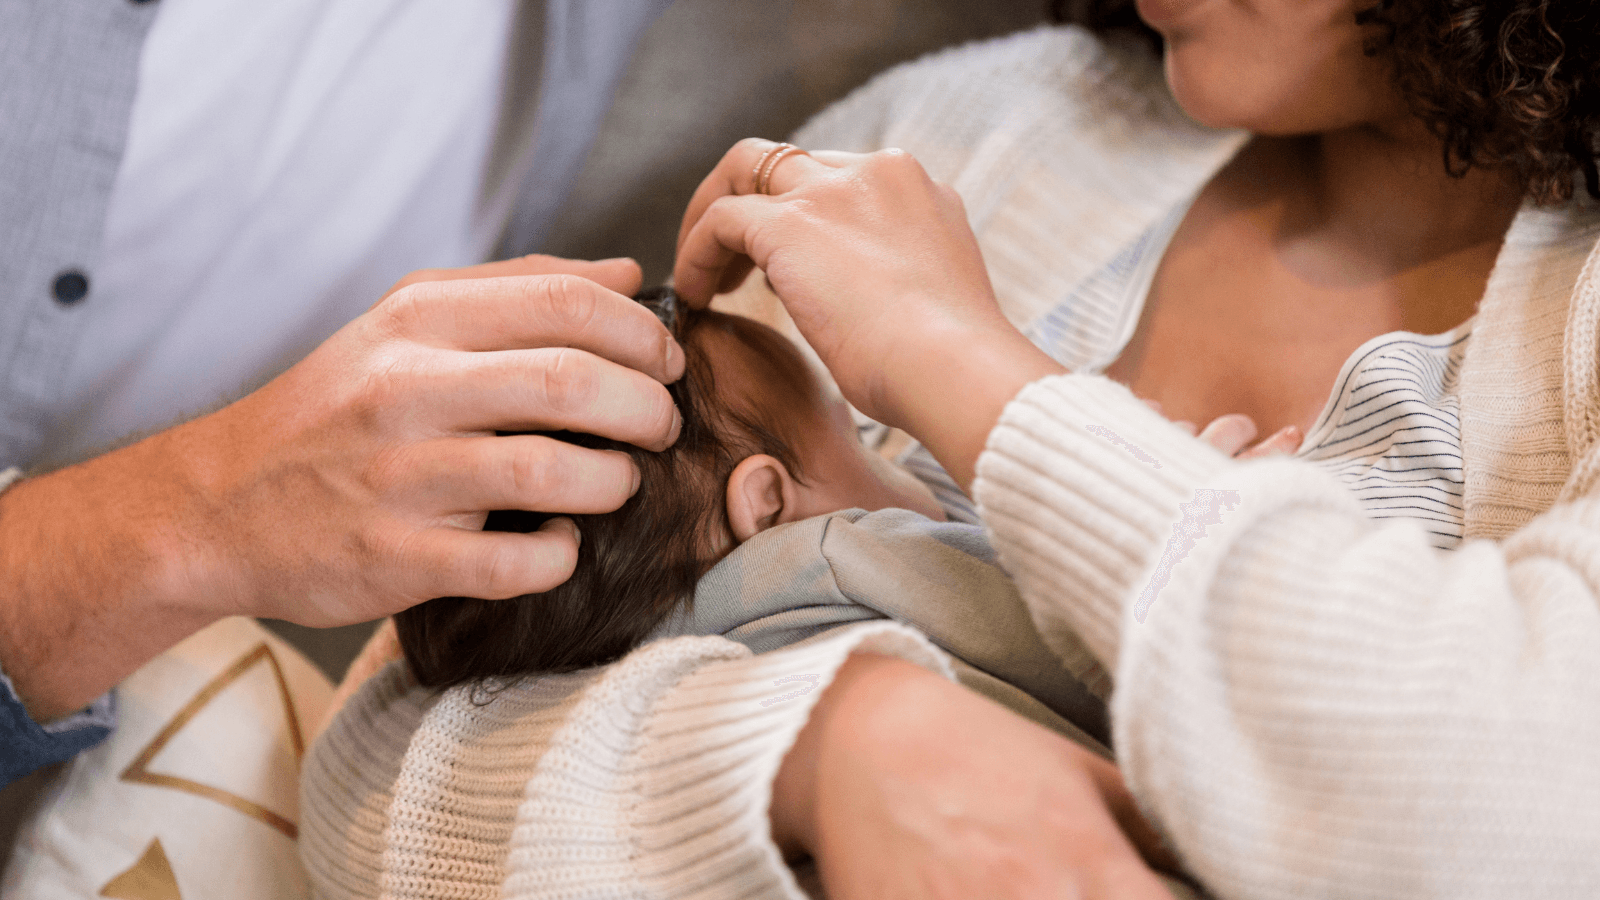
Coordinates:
95 576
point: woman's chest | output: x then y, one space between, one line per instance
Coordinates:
1214 352
1236 323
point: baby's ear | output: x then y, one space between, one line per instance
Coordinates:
761 494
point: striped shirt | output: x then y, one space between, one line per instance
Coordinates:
1390 431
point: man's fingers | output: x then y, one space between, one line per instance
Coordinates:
551 389
621 275
480 474
495 565
515 312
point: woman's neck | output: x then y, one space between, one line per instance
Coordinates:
1384 194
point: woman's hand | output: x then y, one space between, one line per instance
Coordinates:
904 785
866 252
877 266
1233 433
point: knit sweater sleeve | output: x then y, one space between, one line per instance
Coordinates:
1309 702
659 781
650 777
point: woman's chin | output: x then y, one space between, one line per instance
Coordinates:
1203 99
1217 98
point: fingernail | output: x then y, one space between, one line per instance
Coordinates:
564 524
674 360
636 476
677 426
1238 425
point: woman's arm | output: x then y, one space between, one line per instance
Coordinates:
1310 702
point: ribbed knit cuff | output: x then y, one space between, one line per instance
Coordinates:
661 782
1080 486
347 782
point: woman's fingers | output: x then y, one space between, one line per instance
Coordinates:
836 159
728 231
735 175
1285 440
1230 433
738 175
1233 433
994 807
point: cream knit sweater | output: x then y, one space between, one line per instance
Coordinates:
1316 705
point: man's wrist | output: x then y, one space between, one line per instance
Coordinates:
97 577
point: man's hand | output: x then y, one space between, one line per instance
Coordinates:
352 486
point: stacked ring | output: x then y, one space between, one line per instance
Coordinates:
768 163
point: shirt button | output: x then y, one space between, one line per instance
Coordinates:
70 287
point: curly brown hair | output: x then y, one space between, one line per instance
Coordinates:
1505 84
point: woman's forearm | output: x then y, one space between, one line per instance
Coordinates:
1298 660
953 385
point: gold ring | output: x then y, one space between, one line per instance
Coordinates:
768 163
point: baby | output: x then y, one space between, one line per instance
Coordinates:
766 523
755 525
762 445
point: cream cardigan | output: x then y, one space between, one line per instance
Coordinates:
1317 705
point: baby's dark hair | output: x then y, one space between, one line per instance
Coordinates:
639 564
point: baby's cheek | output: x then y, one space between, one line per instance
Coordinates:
899 488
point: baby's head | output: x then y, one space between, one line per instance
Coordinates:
762 444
